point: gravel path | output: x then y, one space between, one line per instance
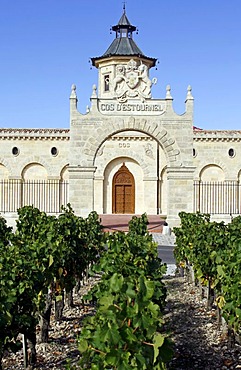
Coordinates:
62 346
198 343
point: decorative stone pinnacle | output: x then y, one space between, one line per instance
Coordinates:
73 91
94 92
168 92
189 93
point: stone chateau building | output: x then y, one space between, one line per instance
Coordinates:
129 154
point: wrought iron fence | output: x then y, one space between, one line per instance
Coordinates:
48 196
217 197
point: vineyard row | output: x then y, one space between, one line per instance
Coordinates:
47 257
213 251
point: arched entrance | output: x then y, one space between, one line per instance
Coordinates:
123 191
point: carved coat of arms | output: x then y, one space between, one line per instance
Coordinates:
132 81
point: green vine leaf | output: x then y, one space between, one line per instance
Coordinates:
82 345
158 342
51 260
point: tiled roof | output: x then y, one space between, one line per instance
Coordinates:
124 21
123 46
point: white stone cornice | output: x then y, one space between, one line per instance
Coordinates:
34 134
216 135
131 138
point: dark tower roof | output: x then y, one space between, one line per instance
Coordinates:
123 44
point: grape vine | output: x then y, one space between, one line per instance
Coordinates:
39 261
213 249
127 329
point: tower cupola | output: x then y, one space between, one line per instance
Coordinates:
124 27
123 44
124 68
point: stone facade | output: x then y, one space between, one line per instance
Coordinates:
34 153
162 153
155 146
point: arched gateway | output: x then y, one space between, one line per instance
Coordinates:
124 122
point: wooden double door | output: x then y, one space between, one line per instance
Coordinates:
123 191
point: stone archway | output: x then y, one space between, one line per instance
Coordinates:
89 140
151 128
123 191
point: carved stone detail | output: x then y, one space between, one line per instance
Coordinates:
149 150
34 134
132 81
100 151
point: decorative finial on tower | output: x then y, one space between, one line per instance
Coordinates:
73 100
124 7
73 91
168 92
189 102
189 93
94 92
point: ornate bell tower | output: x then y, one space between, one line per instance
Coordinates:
122 112
124 68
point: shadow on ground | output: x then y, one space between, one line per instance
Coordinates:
187 323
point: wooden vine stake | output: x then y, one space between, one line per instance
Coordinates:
25 351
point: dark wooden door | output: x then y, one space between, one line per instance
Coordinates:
123 199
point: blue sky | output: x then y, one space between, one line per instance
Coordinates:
46 46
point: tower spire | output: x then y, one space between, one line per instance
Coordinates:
123 44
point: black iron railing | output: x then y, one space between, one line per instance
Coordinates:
217 197
47 195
